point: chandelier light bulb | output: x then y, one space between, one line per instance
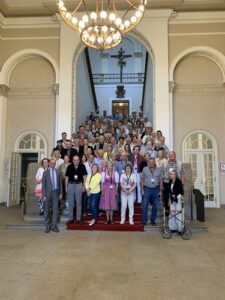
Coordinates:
93 15
92 38
74 20
81 24
68 15
118 21
104 29
100 40
109 40
63 9
127 23
103 14
112 17
141 8
133 19
96 29
60 4
138 14
85 18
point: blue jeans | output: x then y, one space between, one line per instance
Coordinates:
93 199
148 193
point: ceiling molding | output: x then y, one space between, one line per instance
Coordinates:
28 22
198 17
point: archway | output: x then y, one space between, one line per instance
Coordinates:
77 113
13 63
200 51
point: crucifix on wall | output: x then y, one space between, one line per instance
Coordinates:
121 61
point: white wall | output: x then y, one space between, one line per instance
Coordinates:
105 94
84 103
102 62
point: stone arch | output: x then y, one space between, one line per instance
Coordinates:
80 48
217 57
212 54
19 57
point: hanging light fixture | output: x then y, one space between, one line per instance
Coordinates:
103 27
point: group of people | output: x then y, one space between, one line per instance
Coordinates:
107 165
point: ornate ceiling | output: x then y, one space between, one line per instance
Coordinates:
23 8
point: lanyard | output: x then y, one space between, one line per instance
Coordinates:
92 175
152 172
110 176
128 179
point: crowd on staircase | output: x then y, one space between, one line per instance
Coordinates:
107 165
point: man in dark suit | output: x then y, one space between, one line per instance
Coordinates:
51 192
69 151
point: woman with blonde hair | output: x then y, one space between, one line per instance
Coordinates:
93 188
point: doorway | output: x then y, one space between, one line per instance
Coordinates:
200 152
26 159
120 107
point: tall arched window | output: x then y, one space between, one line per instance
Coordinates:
199 149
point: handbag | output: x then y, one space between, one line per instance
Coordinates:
41 207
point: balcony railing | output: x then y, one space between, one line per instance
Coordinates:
126 78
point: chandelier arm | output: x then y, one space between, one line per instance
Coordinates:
114 6
131 4
97 6
85 6
78 6
108 6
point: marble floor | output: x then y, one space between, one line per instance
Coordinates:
111 265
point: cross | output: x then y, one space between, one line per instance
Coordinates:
121 63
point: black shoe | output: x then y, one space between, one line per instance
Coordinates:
79 222
55 228
69 222
153 223
143 224
47 229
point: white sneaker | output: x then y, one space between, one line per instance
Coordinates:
122 222
131 222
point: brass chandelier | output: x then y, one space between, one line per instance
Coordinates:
102 26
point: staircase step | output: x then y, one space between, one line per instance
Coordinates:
108 227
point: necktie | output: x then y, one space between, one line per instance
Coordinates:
53 180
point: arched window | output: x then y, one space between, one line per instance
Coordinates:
199 149
31 142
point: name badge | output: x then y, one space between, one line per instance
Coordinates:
75 177
152 180
111 186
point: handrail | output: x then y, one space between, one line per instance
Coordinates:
91 78
145 78
115 78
